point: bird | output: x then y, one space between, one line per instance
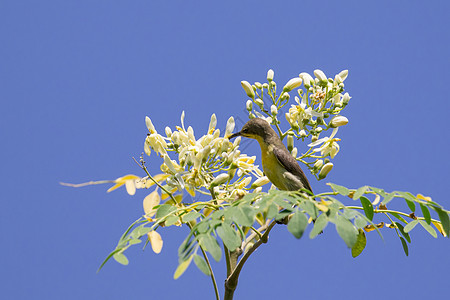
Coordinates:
278 164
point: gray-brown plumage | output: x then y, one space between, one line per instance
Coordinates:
278 164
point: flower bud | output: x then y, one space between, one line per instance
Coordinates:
273 110
325 170
259 102
249 105
251 116
318 164
285 96
258 85
175 137
149 125
338 79
248 89
318 129
302 133
343 74
292 84
346 98
260 182
168 131
265 86
290 142
307 79
294 152
338 121
270 74
222 178
320 75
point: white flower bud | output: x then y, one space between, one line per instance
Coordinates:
270 74
248 89
230 126
273 110
265 86
294 152
320 75
260 182
249 105
325 170
290 142
175 137
222 178
346 98
257 190
338 79
259 102
302 133
149 125
319 129
318 164
338 121
343 74
307 79
292 84
168 131
258 85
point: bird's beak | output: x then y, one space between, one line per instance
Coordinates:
234 135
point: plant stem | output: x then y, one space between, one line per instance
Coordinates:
232 280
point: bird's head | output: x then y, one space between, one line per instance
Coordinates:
258 129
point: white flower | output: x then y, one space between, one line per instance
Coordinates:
260 182
307 79
212 124
156 142
230 126
329 145
222 178
149 125
343 74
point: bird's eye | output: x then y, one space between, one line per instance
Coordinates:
245 130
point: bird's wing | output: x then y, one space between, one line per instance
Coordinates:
291 165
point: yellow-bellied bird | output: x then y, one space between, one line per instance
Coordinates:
278 164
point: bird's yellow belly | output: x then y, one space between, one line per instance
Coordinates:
273 169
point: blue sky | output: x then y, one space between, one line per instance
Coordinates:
77 79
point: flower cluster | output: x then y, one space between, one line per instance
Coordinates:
317 108
208 164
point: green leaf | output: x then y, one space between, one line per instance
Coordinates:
319 225
360 222
108 258
244 215
297 224
405 246
310 208
359 192
190 216
272 211
388 198
426 213
346 231
210 244
201 264
443 216
368 207
134 241
378 191
360 244
411 225
399 217
409 198
280 202
342 190
402 231
121 258
182 267
164 210
229 237
171 220
428 228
